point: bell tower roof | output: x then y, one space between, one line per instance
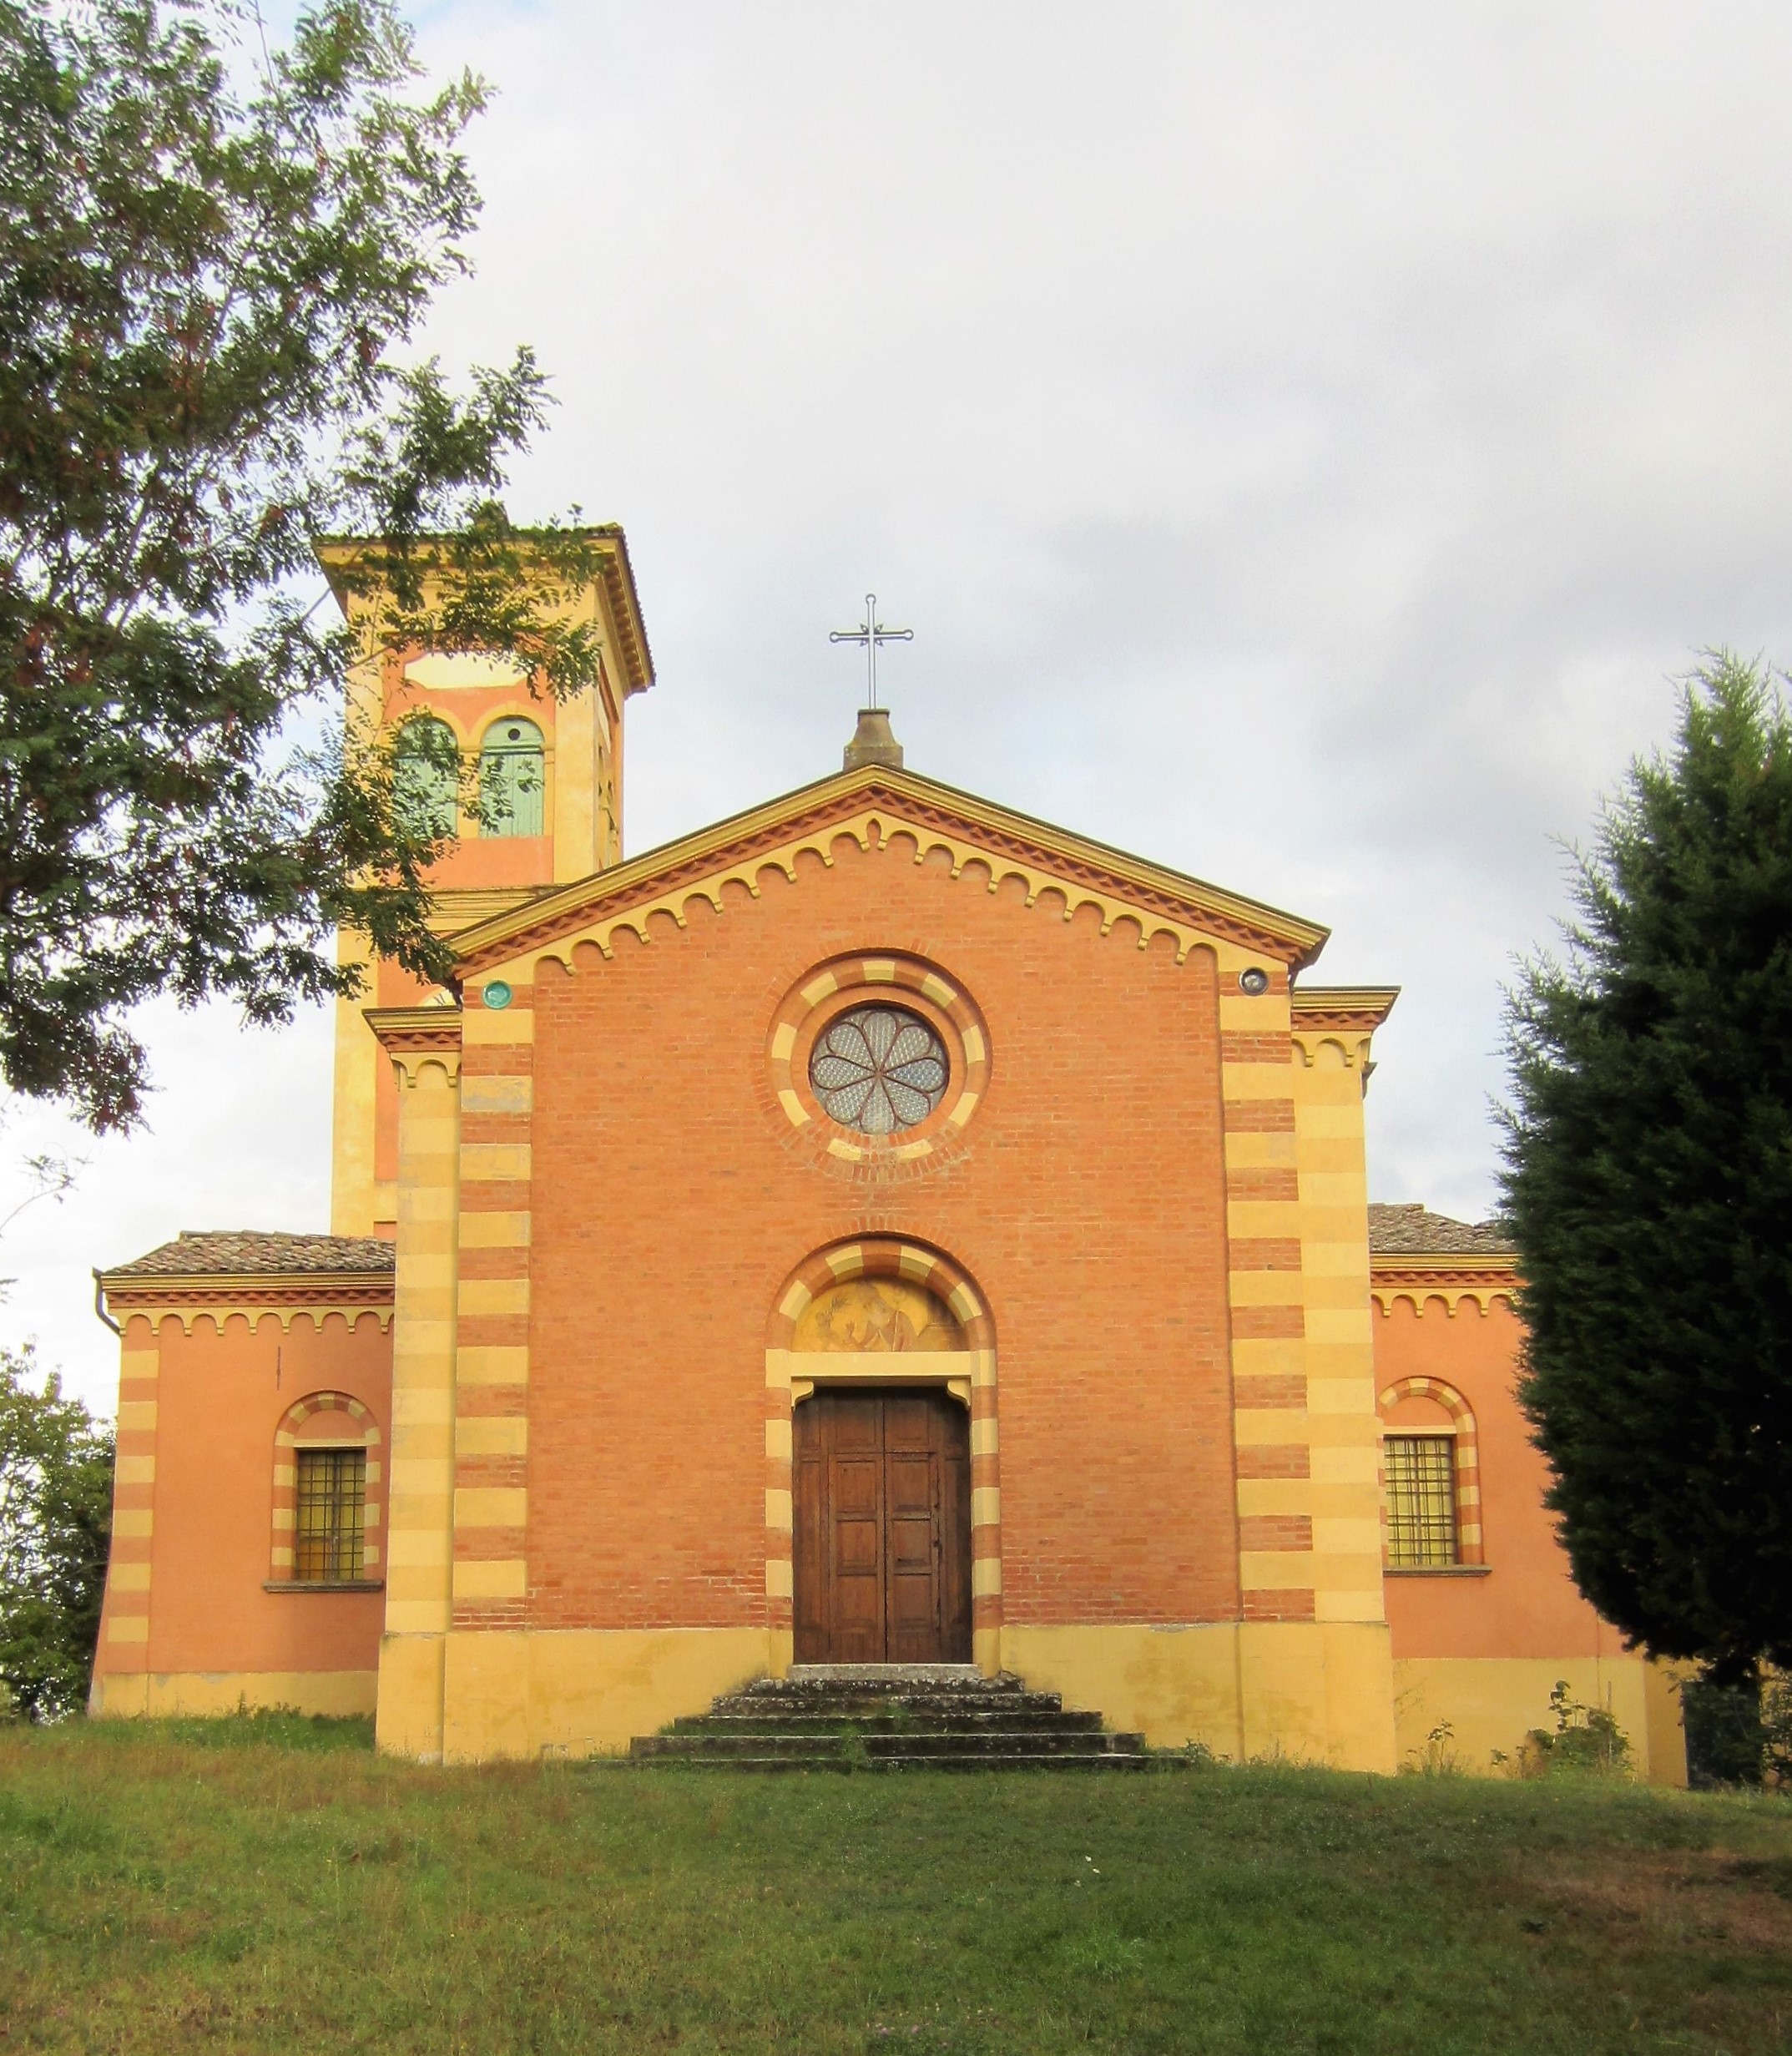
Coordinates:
348 559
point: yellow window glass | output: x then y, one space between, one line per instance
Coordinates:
1421 1524
332 1489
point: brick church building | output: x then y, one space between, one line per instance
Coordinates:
878 1229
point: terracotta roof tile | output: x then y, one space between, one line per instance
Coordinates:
1416 1231
1408 1230
236 1253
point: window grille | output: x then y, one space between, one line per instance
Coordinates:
512 779
1421 1523
332 1487
879 1069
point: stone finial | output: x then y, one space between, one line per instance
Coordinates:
872 742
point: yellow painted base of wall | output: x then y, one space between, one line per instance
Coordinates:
1490 1702
1325 1694
125 1694
409 1721
1321 1693
577 1692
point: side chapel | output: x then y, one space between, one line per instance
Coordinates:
878 1229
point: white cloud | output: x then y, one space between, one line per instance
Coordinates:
1305 440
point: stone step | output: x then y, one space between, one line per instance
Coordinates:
919 1706
907 1718
837 1765
882 1748
890 1717
884 1681
897 1675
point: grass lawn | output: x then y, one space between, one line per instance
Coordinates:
272 1885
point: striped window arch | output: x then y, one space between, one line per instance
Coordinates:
326 1493
1431 1482
512 778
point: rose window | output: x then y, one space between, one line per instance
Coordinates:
878 1070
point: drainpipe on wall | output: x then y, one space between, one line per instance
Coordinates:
100 1304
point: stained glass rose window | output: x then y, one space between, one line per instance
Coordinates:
878 1070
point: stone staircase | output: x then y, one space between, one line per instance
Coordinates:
935 1717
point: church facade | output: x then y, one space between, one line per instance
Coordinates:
879 1228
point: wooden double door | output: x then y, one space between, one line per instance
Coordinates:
882 1486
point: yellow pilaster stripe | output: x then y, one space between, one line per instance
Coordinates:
130 1564
1345 1429
418 1597
1264 1290
492 1358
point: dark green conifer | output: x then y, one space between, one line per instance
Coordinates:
1648 1185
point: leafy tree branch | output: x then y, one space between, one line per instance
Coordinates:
206 293
55 1523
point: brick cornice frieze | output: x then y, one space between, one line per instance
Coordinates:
1342 1009
1449 1277
875 806
316 1295
413 1036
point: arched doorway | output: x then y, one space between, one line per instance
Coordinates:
880 1379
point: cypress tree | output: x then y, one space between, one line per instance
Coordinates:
1648 1187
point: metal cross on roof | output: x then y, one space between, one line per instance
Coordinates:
871 632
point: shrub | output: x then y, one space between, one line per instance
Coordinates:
1587 1741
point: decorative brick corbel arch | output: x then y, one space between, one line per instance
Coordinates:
351 1427
887 1256
1488 1288
1467 1454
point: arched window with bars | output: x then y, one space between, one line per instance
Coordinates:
326 1494
1430 1470
512 779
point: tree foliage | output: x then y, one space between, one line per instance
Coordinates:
1739 1734
211 259
1648 1185
55 1520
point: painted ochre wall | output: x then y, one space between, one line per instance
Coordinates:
1482 1652
188 1626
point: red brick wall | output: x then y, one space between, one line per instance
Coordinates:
672 1199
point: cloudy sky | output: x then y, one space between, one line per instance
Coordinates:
1308 442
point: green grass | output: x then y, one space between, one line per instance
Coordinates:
271 1885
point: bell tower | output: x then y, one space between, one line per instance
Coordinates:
555 767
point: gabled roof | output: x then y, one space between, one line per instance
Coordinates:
1412 1231
219 1275
243 1253
874 798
